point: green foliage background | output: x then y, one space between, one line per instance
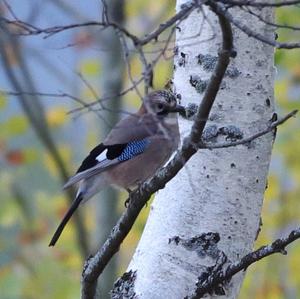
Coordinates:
32 202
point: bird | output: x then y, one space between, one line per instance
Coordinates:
135 148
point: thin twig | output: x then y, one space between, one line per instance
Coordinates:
251 138
106 98
182 14
58 95
128 65
50 31
223 10
260 4
276 25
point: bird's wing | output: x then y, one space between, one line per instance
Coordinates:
104 156
132 127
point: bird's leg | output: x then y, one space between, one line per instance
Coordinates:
127 201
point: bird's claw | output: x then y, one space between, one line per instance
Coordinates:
127 201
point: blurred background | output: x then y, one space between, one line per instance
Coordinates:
44 135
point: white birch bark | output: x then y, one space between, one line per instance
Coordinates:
218 190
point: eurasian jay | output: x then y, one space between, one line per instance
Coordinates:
133 151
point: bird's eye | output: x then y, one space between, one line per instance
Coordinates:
160 106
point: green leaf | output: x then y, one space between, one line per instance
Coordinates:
90 67
16 125
3 100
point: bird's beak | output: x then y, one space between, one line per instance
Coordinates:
178 108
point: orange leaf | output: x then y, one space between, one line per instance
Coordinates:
83 40
15 157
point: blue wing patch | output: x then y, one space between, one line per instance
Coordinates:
122 152
133 149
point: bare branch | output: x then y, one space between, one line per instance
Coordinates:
260 4
221 7
226 274
253 137
128 65
106 98
58 95
271 23
223 10
29 29
185 11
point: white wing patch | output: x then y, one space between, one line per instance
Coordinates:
86 174
102 156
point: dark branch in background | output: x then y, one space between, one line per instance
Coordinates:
138 198
111 82
219 277
33 109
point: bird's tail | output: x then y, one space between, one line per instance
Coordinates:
66 218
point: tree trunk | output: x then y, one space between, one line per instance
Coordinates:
221 190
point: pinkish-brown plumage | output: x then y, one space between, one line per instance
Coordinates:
131 153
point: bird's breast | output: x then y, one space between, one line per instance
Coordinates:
138 169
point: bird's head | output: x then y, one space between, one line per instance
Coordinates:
161 103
